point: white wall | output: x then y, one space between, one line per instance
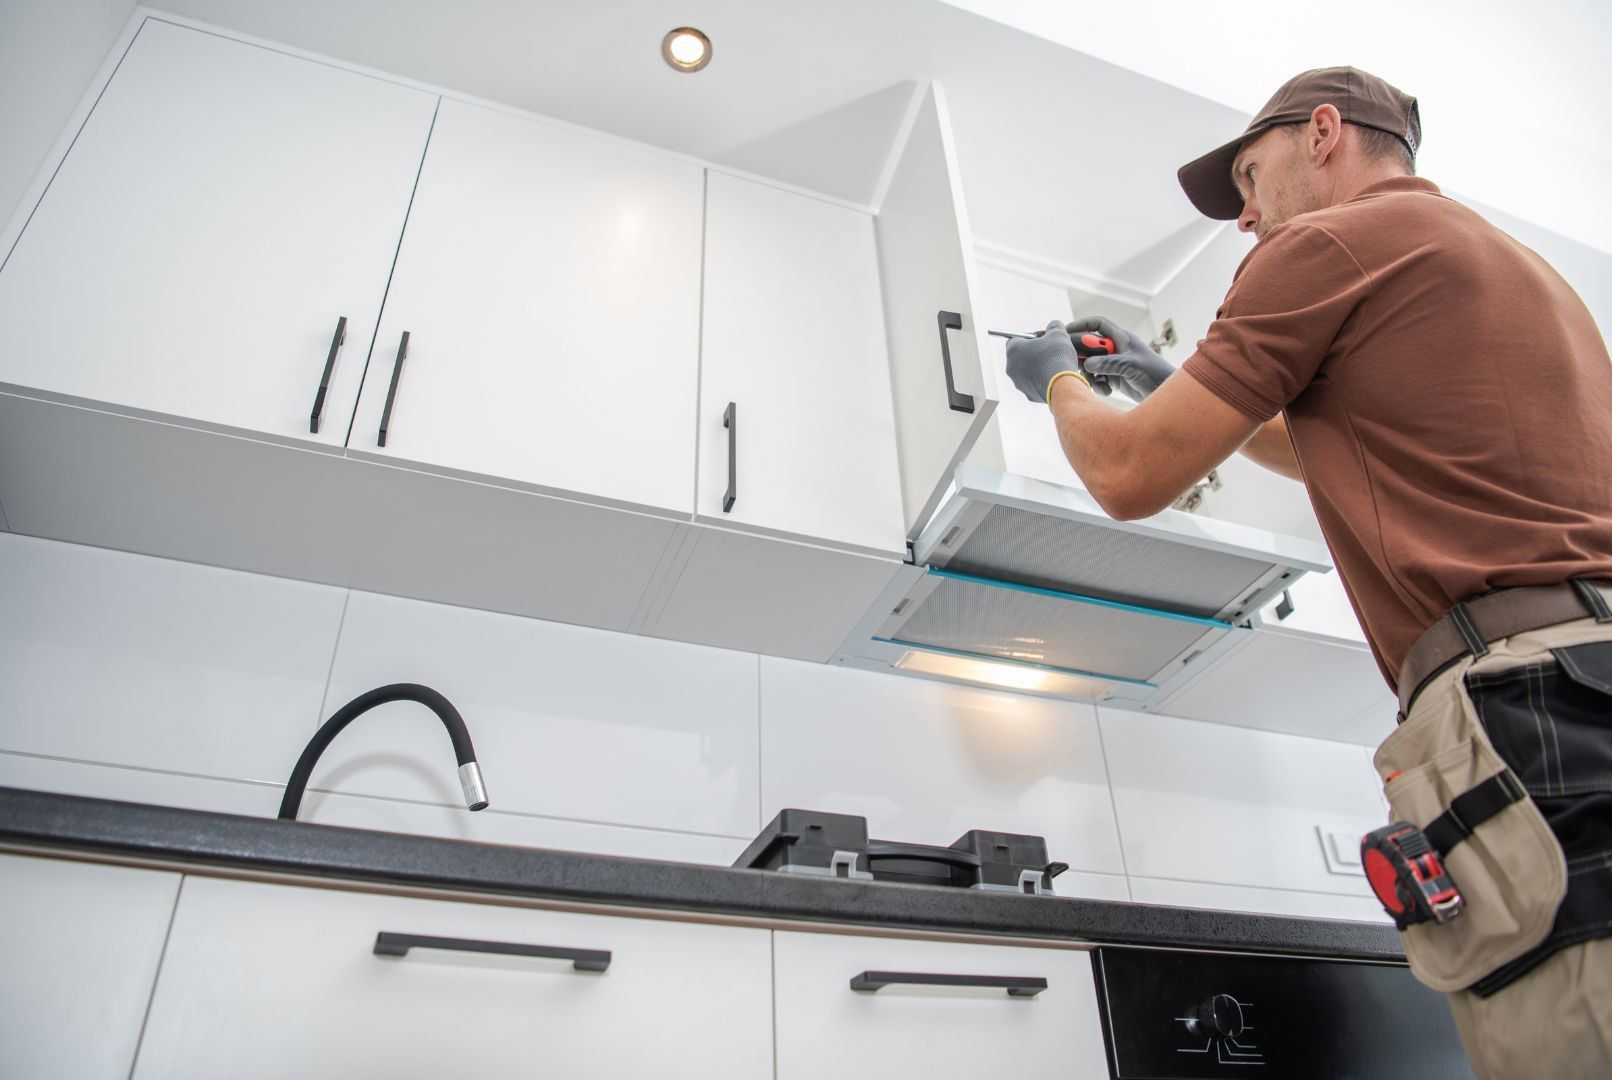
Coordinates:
1508 91
49 50
129 677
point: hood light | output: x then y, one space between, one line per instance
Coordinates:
686 49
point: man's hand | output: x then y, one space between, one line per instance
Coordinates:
1033 363
1135 368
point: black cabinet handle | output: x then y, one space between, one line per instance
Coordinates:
391 391
336 342
950 320
1285 608
388 944
730 420
1016 986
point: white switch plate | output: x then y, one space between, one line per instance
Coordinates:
1341 850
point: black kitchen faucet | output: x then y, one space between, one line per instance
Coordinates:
469 771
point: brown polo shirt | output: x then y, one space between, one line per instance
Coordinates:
1448 394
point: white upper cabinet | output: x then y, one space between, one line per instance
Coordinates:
549 285
223 207
926 264
794 381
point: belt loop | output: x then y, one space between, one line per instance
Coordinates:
1469 633
1593 600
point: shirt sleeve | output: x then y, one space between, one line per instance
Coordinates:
1287 305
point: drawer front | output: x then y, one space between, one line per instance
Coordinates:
274 981
825 1028
79 949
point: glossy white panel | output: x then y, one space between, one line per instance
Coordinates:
391 815
1218 897
221 209
567 721
926 266
925 761
824 1028
273 981
1371 725
793 337
1028 437
132 660
79 949
1211 803
549 281
1284 680
767 596
1084 886
1320 606
520 830
129 784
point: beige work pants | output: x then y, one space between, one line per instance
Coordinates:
1555 1022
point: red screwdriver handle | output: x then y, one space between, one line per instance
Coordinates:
1089 344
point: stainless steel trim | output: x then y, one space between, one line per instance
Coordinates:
475 790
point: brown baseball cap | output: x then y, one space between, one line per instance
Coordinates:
1359 97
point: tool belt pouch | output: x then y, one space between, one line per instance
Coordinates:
1509 869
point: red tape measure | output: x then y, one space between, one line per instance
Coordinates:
1407 875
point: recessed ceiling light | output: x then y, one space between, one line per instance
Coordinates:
686 49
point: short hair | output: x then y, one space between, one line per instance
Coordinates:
1380 145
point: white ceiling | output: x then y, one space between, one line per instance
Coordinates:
1512 94
1063 156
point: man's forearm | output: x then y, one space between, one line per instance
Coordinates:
1272 447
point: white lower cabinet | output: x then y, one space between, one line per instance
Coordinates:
826 1028
275 981
79 950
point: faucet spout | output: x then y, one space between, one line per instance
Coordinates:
469 771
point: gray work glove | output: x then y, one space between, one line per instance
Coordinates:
1032 363
1134 368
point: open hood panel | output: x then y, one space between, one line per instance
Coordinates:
1019 573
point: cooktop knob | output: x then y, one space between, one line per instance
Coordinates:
1219 1016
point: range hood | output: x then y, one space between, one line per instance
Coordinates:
1022 583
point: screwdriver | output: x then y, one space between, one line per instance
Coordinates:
1087 345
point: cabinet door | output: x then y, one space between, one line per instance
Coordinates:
79 948
926 264
224 206
275 981
908 1028
549 283
794 345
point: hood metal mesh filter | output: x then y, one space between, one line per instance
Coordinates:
1012 624
1069 556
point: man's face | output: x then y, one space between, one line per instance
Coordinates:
1274 176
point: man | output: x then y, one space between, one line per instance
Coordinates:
1447 401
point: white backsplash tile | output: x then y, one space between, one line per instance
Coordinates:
1205 802
567 721
1198 894
926 761
125 659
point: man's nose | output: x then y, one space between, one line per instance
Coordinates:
1248 220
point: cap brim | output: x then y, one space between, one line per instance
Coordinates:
1207 181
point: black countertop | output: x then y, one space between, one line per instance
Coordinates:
192 837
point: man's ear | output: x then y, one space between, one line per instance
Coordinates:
1324 134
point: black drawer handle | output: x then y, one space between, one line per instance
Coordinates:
730 420
950 320
1016 986
391 391
388 944
336 342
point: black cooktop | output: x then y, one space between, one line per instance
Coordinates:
837 845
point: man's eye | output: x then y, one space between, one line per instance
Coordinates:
1249 172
